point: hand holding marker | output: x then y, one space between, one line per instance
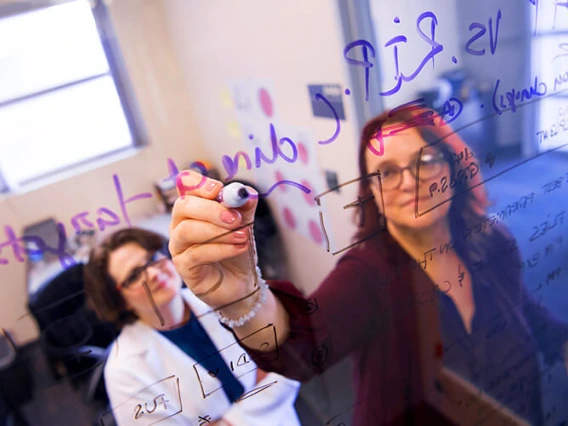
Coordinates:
233 196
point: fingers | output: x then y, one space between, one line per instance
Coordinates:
203 210
190 232
189 182
202 230
249 209
198 202
201 255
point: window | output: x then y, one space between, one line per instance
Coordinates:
61 99
549 53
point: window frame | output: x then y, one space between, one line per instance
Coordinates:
121 79
538 36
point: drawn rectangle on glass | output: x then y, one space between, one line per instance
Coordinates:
353 206
239 366
447 187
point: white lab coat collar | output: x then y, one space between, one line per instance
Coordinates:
144 334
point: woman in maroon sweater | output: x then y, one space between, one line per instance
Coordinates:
394 316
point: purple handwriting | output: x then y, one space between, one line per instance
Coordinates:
19 251
231 165
435 48
286 182
514 96
482 29
105 218
320 97
472 47
451 110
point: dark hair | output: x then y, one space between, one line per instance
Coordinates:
466 211
102 294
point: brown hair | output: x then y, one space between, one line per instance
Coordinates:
466 210
102 294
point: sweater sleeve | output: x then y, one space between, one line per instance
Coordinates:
337 319
550 333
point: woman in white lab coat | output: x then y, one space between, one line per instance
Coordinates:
173 359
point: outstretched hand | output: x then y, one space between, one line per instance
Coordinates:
213 246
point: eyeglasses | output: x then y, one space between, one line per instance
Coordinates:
430 166
135 278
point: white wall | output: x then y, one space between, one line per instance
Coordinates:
164 103
292 43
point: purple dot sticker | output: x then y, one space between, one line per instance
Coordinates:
289 218
397 20
251 136
347 92
315 232
309 197
303 153
454 60
265 102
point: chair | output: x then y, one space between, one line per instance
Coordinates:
16 386
74 340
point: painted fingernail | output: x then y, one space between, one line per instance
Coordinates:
229 216
210 185
241 235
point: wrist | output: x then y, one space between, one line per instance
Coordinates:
241 306
243 311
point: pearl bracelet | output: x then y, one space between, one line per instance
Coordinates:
239 322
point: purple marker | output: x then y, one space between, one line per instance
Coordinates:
233 196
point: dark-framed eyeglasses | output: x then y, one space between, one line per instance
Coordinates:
430 166
136 276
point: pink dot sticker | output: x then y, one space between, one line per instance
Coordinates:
279 178
303 153
310 196
315 232
289 218
265 102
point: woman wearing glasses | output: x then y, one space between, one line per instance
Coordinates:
393 304
172 359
